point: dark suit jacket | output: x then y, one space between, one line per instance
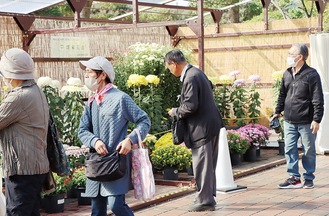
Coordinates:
198 108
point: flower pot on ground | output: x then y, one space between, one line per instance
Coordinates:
238 144
281 138
82 200
235 159
250 155
170 173
53 203
258 151
174 156
79 182
71 193
281 147
190 170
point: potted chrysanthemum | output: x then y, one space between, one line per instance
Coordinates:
238 144
171 159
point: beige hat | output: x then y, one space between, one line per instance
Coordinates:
99 63
17 64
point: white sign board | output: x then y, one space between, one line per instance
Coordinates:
69 47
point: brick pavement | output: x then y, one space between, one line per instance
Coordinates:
261 197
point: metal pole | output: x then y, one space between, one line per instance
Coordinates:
201 35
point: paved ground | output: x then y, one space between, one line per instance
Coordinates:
260 198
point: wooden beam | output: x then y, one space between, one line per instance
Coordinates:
112 27
239 48
238 34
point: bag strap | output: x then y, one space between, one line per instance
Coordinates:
140 142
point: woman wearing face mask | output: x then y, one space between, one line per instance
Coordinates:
24 116
103 127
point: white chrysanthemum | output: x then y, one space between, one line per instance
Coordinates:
72 81
70 88
44 81
55 84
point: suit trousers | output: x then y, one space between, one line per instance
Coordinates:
204 160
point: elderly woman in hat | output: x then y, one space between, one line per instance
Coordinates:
103 127
24 116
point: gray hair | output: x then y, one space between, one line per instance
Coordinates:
303 50
175 56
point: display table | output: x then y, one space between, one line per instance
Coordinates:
321 142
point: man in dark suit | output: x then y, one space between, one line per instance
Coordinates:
198 109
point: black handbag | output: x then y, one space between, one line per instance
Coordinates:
58 161
178 130
108 167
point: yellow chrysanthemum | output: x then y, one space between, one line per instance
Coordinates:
142 80
152 79
225 79
136 80
277 75
132 80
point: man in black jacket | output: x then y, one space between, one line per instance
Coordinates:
301 99
198 109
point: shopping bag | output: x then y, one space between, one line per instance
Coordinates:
142 174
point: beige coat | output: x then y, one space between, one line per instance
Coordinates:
24 116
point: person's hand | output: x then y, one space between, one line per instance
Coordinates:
100 147
275 116
315 126
171 112
124 146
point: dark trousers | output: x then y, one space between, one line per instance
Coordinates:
23 194
204 168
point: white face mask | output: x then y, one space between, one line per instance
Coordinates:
91 83
291 61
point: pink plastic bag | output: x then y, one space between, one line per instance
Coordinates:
142 174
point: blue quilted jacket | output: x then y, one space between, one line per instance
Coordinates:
109 122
